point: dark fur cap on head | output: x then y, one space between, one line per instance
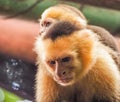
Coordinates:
59 29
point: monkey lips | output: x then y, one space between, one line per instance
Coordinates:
63 80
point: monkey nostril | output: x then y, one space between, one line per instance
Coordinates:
48 24
63 73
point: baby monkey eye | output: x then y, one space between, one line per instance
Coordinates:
66 59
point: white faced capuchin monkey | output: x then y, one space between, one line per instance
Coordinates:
77 62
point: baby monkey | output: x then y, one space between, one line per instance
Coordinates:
76 61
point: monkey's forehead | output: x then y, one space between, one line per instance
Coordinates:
59 47
59 44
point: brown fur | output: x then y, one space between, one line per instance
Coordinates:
62 28
108 40
104 36
98 79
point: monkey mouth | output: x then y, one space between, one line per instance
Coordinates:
63 80
67 80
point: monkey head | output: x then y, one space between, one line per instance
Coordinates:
61 13
66 52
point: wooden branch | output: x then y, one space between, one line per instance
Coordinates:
17 38
24 11
107 18
115 4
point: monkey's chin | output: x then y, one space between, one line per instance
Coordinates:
65 82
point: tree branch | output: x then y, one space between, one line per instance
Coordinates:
24 11
115 4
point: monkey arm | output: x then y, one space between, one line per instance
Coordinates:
47 89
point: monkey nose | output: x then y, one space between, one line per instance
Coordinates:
62 74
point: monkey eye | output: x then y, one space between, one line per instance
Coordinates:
66 59
52 62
